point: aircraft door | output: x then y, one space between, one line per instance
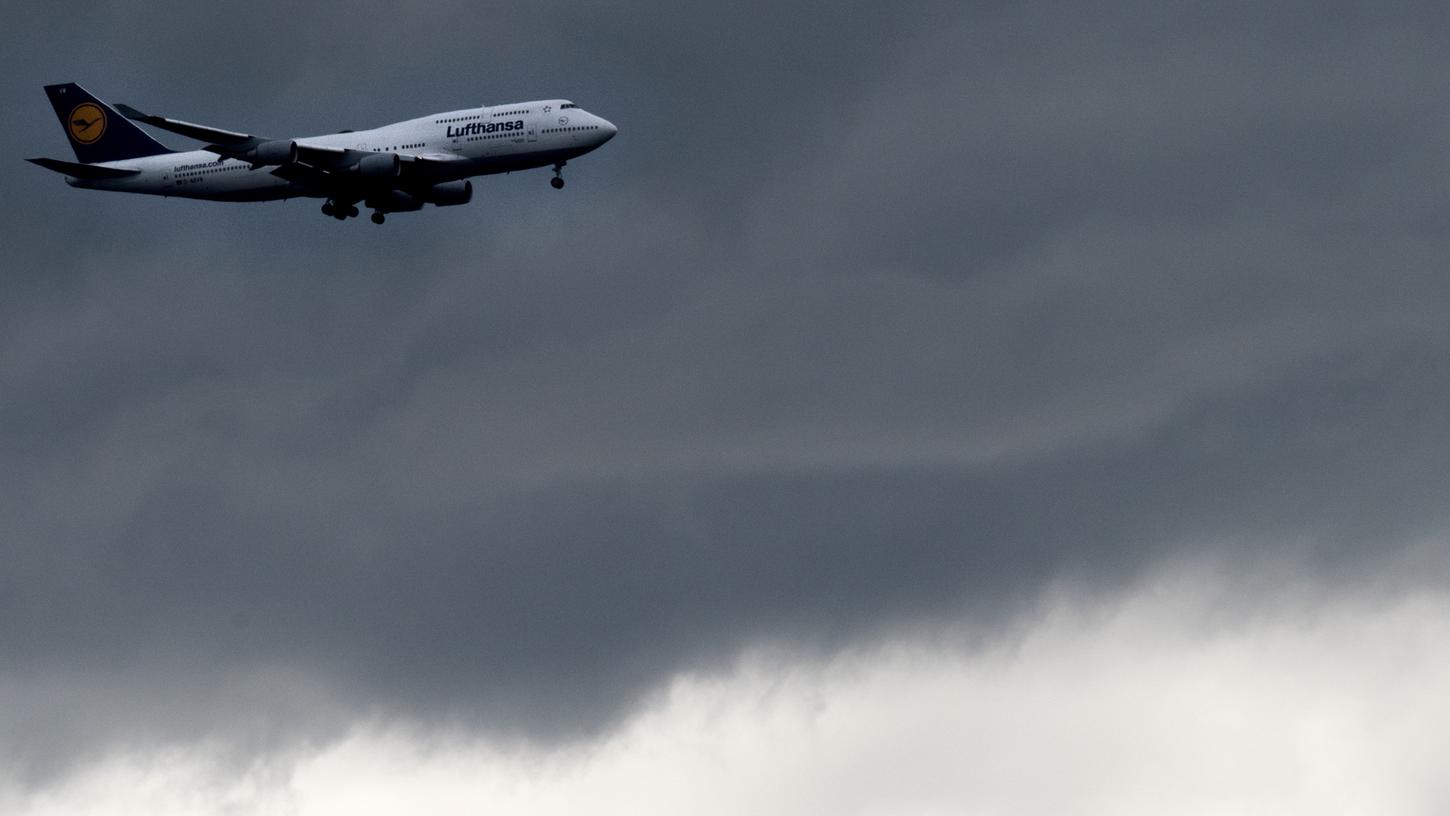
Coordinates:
531 125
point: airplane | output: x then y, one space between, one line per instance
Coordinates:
393 168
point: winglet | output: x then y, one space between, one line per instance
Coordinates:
130 112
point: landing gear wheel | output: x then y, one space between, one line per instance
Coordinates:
352 212
327 208
378 217
557 183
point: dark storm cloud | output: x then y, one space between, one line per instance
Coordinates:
865 319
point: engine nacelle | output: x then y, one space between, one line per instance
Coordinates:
395 201
380 166
277 151
449 193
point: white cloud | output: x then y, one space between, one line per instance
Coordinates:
1162 700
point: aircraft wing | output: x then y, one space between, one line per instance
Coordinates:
202 133
236 145
437 158
230 143
330 158
323 168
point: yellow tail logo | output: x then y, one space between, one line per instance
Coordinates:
86 123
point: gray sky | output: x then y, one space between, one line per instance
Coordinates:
869 322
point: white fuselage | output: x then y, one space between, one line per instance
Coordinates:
457 144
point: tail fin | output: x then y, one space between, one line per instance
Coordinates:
96 131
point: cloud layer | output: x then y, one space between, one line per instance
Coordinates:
1171 694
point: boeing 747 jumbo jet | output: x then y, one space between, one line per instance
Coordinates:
394 168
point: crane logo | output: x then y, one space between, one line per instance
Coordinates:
86 123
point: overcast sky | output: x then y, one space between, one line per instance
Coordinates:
916 408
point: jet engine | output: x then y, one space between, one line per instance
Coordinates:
380 166
449 193
277 151
395 201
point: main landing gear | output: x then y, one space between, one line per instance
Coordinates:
342 212
557 182
339 210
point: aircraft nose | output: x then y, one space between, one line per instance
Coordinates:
608 128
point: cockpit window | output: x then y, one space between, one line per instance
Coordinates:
567 105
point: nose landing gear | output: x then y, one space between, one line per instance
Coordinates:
557 182
378 217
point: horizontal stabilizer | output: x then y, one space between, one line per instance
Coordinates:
84 171
217 136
